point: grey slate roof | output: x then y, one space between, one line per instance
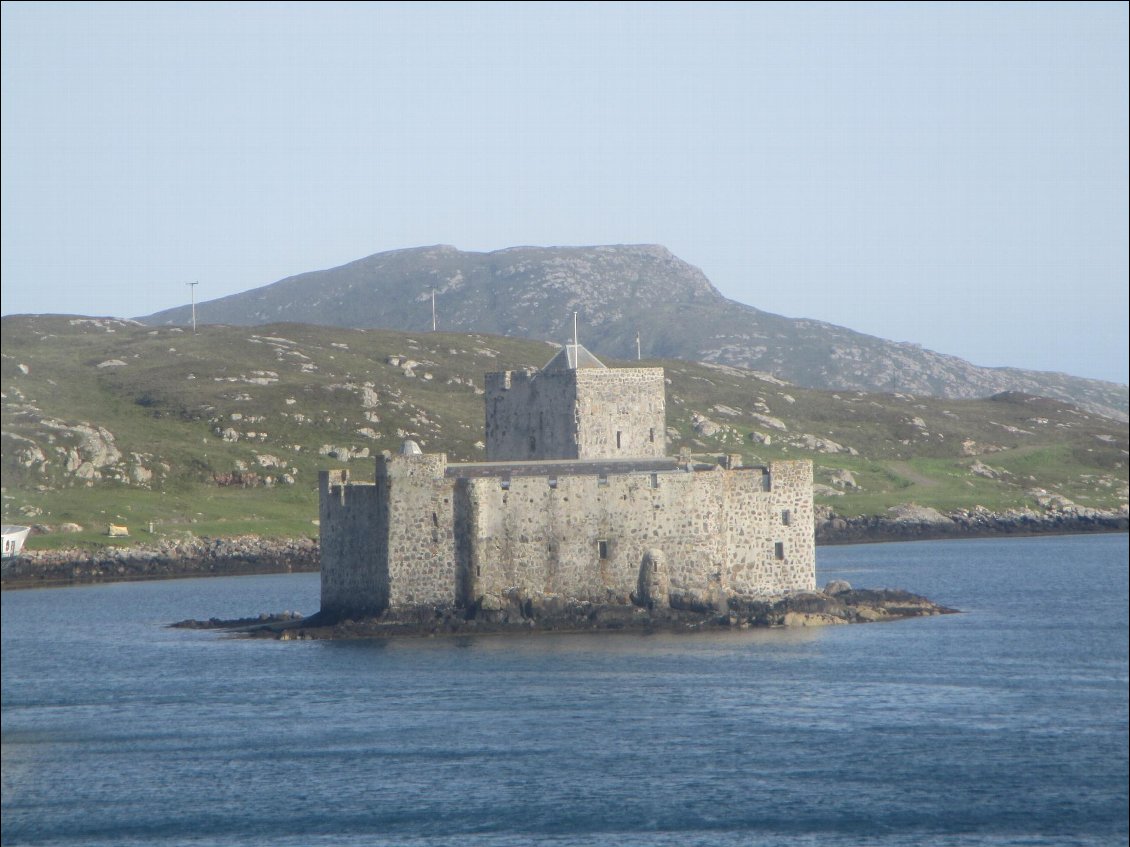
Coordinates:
572 356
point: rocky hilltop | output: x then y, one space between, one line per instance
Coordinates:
620 290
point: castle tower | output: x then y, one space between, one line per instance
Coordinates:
575 408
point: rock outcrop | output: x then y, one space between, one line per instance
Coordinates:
187 556
836 605
915 523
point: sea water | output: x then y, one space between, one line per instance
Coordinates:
1004 725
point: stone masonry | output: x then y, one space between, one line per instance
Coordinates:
576 501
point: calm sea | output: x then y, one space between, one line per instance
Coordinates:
1006 725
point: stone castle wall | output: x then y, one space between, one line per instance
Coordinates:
421 531
588 413
586 537
530 415
354 545
621 412
769 530
453 540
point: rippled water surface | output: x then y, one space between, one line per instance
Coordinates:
1004 725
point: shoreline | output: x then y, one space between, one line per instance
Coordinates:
878 529
838 604
252 555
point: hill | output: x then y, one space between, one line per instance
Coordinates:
532 292
223 432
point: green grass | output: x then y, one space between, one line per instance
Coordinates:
170 404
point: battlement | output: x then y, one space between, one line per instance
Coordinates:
411 466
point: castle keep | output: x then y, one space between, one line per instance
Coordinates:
577 501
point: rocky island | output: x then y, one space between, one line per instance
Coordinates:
838 603
577 521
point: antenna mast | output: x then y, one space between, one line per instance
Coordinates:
192 288
638 355
576 343
433 310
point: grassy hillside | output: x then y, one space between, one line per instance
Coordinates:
622 291
223 432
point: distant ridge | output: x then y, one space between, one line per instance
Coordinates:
620 290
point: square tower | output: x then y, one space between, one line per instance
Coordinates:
575 408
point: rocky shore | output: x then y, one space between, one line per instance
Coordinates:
838 603
920 523
183 557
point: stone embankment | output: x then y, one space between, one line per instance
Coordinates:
919 523
182 557
838 603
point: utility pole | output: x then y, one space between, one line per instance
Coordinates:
576 343
433 310
192 288
638 355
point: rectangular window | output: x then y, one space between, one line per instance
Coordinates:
602 549
602 479
617 440
553 482
655 480
651 435
779 550
786 517
505 483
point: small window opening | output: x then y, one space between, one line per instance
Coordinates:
602 549
602 479
651 435
779 550
435 519
617 440
505 483
655 480
553 482
786 517
533 443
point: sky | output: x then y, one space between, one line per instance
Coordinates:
954 175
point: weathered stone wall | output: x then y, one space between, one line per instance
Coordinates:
790 486
354 545
621 412
530 415
588 413
580 536
421 531
769 529
587 537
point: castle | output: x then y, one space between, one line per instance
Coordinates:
577 501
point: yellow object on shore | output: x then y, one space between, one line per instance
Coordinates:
115 531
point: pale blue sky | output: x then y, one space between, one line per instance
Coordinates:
954 174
